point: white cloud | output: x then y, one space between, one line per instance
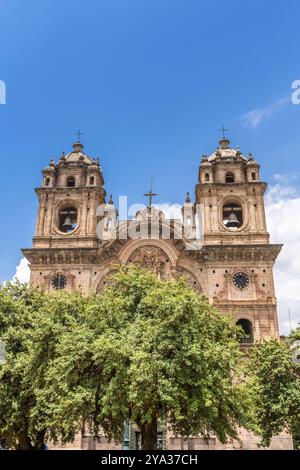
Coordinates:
254 117
22 271
282 210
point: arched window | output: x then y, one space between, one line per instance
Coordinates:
206 176
246 335
68 219
253 176
92 180
70 182
229 177
232 216
47 181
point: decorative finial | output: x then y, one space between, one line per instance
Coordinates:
52 162
188 199
78 146
250 156
62 157
110 200
223 130
224 142
79 134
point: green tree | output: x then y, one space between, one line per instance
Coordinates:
273 380
295 420
149 351
17 309
31 326
146 350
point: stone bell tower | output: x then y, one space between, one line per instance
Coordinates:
233 197
65 239
238 256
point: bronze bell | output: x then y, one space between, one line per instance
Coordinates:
68 222
233 221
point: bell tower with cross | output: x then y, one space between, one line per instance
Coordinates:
71 191
239 258
232 195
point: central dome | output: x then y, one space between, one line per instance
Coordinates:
78 155
225 152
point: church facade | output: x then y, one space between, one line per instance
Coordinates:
232 266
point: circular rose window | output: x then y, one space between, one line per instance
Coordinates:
59 282
240 280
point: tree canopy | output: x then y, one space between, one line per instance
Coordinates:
274 385
31 327
145 350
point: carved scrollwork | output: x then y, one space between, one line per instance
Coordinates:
153 258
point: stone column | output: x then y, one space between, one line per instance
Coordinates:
91 219
48 217
84 214
41 215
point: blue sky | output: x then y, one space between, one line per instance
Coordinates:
149 83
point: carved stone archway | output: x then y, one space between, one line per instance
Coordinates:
153 258
157 255
167 249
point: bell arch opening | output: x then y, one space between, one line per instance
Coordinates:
247 331
71 182
67 222
229 177
232 215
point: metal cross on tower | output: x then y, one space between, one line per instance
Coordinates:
79 134
223 130
150 195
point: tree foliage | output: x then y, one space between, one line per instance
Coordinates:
18 305
163 353
273 378
145 350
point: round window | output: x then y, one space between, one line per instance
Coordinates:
240 280
59 281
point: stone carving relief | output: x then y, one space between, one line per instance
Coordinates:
154 258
